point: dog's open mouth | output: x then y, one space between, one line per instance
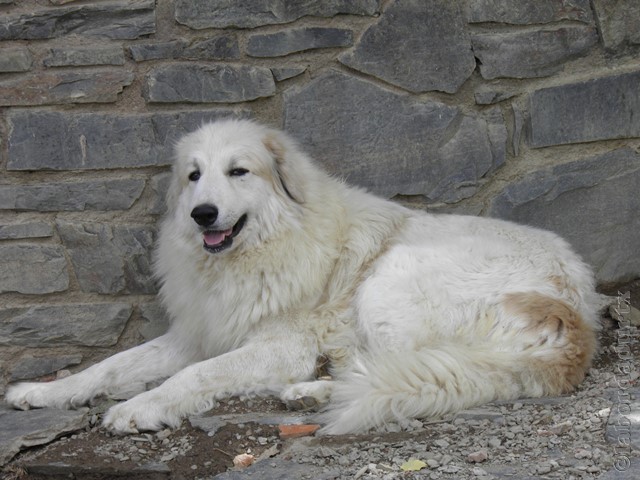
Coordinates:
217 240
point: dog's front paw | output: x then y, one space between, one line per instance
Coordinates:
27 395
141 413
70 392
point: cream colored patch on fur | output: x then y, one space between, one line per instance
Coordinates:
570 341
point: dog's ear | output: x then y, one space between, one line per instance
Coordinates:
291 180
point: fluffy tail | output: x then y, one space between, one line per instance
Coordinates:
540 346
398 386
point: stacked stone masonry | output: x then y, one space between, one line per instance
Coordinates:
519 109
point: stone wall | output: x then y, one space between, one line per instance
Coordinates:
521 109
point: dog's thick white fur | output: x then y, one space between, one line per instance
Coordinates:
267 263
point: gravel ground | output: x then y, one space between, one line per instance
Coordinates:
584 435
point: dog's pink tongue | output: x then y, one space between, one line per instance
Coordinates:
214 238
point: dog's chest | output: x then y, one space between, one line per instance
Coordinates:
219 310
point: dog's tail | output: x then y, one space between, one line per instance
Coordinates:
547 354
398 386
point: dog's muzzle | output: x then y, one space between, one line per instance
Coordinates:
215 241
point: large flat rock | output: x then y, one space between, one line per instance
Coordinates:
601 108
418 45
94 325
392 143
22 429
593 203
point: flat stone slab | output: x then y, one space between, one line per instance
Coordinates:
213 423
531 54
75 141
418 45
58 469
604 108
279 469
592 203
224 14
99 85
208 83
33 269
525 12
95 325
22 429
114 20
399 145
298 40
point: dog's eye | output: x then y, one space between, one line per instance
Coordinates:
194 176
238 172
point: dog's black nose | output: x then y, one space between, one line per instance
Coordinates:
205 215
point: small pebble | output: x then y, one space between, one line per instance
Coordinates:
477 457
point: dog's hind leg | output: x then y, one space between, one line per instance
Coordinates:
159 358
307 395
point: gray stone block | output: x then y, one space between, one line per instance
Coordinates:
217 47
29 367
228 13
22 429
419 45
526 12
110 259
281 469
113 470
16 59
618 21
78 141
92 325
531 54
297 40
142 52
393 143
208 83
25 230
114 20
33 269
598 109
76 196
220 47
284 73
593 203
82 56
64 87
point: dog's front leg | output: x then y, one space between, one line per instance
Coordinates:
159 358
262 366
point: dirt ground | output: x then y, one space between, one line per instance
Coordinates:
191 452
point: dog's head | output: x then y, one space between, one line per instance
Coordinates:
234 182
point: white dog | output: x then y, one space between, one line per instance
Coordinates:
268 263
